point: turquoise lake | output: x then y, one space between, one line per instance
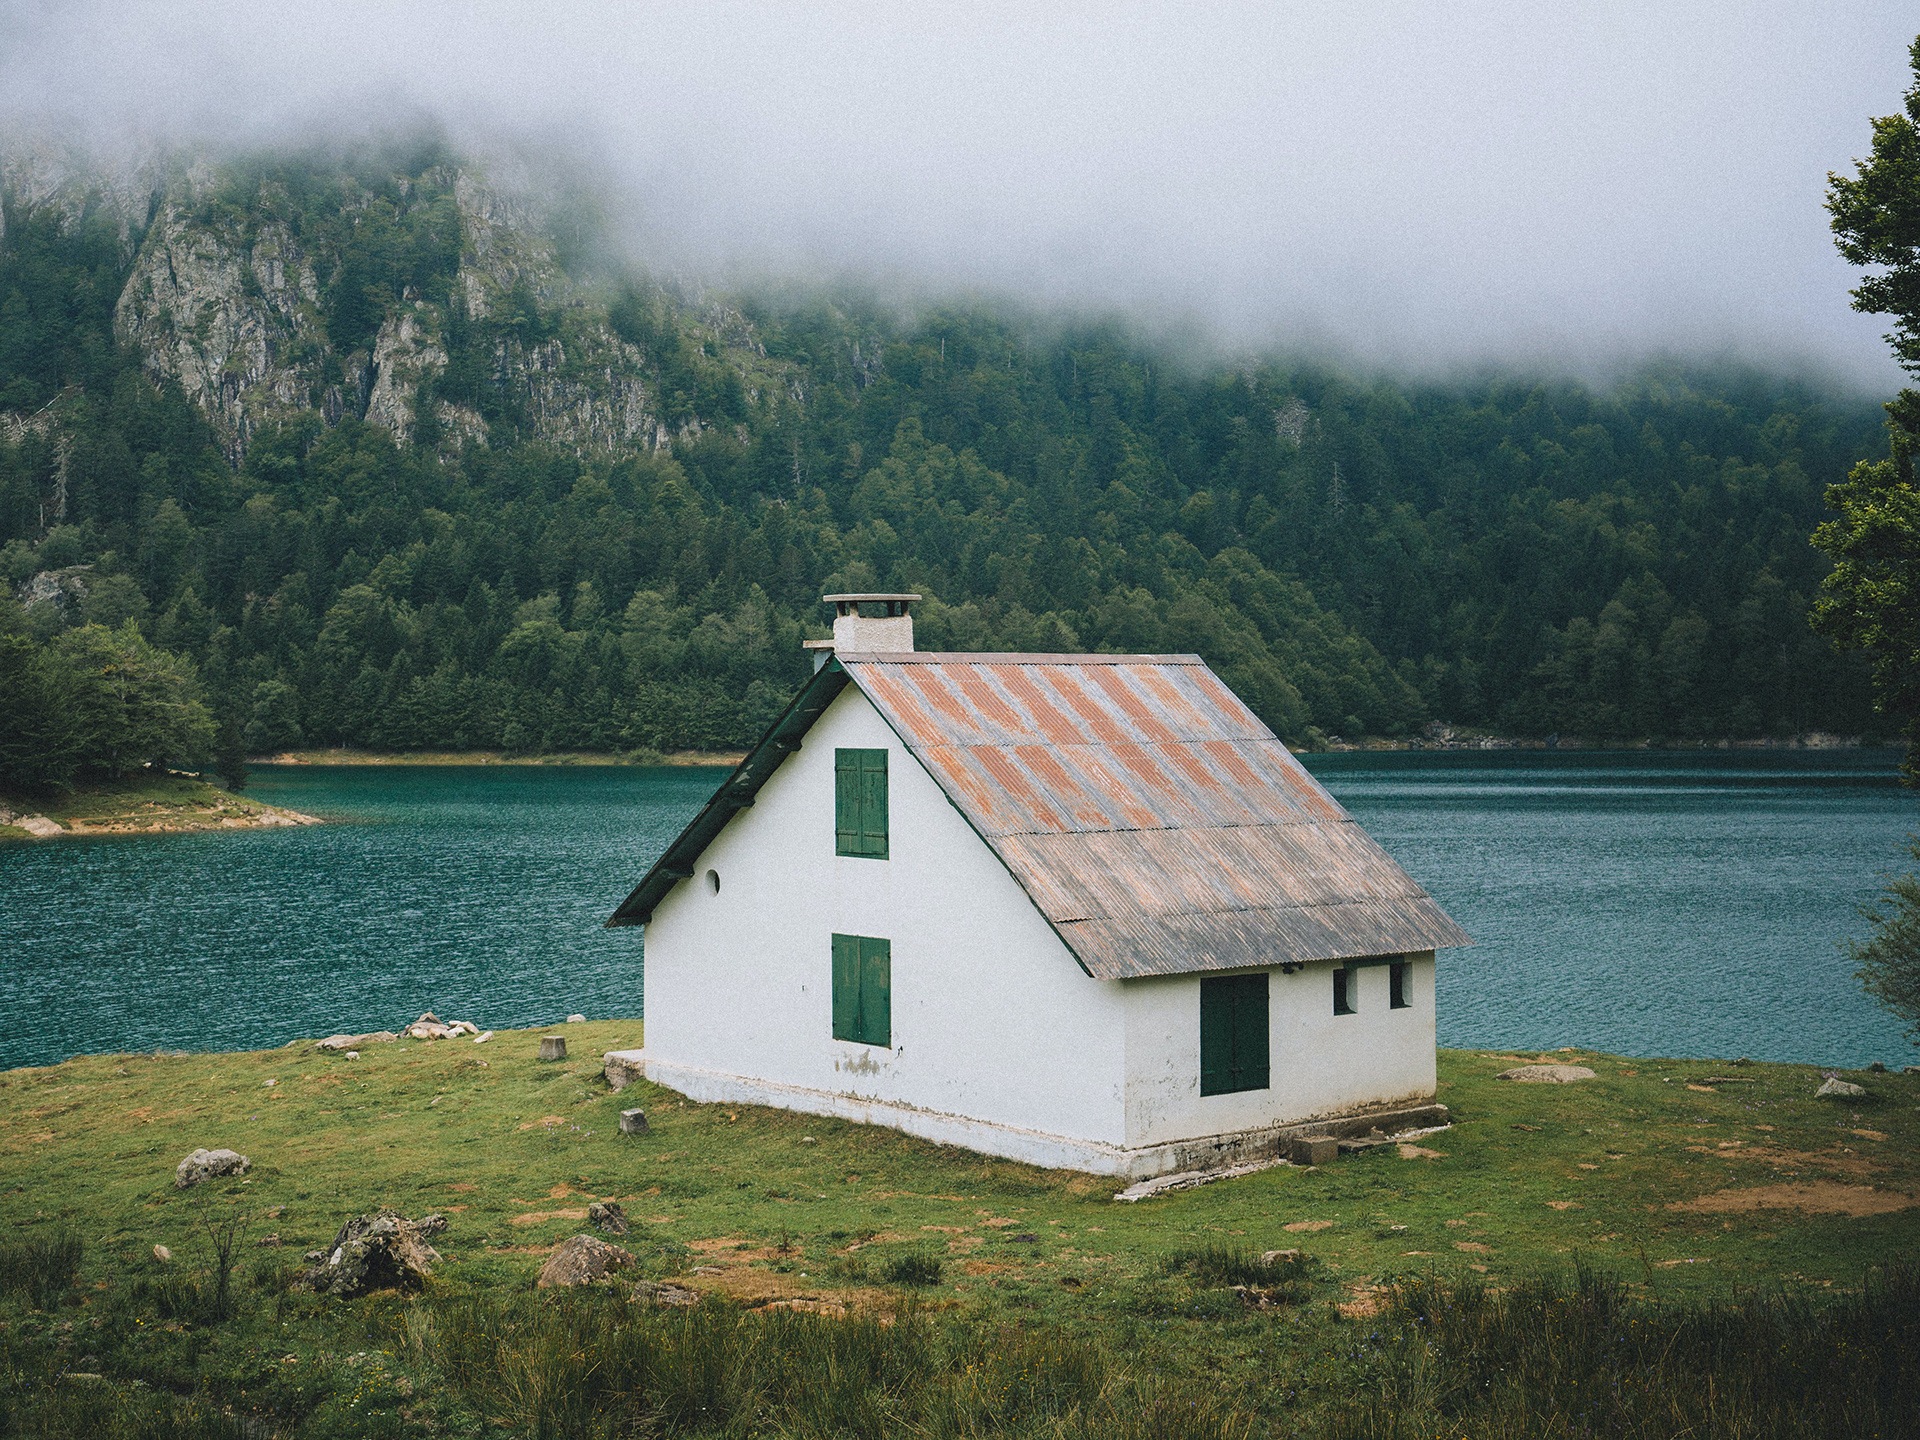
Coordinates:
1648 904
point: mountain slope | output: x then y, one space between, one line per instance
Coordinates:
369 438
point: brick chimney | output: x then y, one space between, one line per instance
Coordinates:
866 624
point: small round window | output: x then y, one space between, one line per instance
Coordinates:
713 882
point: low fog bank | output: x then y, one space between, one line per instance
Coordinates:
1391 185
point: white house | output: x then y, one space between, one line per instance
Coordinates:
1084 911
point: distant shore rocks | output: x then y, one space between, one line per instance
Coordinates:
207 1165
1548 1074
431 1027
334 1044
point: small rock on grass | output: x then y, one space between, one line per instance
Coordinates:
581 1261
206 1164
608 1216
1547 1074
162 1254
1837 1089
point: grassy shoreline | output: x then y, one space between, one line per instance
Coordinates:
144 805
1683 1180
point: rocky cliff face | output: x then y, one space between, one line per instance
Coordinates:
229 308
238 286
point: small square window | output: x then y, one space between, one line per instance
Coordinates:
1399 993
1344 987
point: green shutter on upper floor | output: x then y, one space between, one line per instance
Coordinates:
860 803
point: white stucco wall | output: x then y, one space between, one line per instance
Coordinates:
1320 1063
993 1020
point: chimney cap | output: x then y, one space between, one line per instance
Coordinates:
851 599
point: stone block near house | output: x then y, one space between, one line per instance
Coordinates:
623 1067
1313 1149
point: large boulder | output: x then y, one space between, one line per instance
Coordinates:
1837 1089
382 1251
206 1164
1547 1074
581 1261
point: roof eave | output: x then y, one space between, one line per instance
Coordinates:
735 794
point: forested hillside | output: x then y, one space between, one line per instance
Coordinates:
398 463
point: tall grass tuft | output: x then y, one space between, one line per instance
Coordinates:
1545 1360
1231 1265
593 1364
43 1268
916 1269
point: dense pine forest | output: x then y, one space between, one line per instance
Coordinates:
460 483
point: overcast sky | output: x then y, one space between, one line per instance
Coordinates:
1415 184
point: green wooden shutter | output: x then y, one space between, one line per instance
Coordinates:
873 803
1234 1047
846 987
863 989
1250 1033
876 991
1216 1037
846 802
860 803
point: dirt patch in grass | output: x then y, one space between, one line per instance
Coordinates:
535 1217
1301 1227
1816 1197
1780 1158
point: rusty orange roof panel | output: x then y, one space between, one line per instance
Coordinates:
1154 820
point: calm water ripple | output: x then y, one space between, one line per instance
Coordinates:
1647 904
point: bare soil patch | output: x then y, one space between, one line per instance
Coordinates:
1816 1197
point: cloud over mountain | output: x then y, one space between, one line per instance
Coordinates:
1412 184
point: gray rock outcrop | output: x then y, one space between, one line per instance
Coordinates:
1834 1088
204 1165
382 1251
582 1260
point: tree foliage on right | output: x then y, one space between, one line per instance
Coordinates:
1871 600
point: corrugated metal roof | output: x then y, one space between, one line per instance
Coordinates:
1155 821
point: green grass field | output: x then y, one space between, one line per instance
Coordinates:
1685 1185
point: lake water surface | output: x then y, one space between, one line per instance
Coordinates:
1683 904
